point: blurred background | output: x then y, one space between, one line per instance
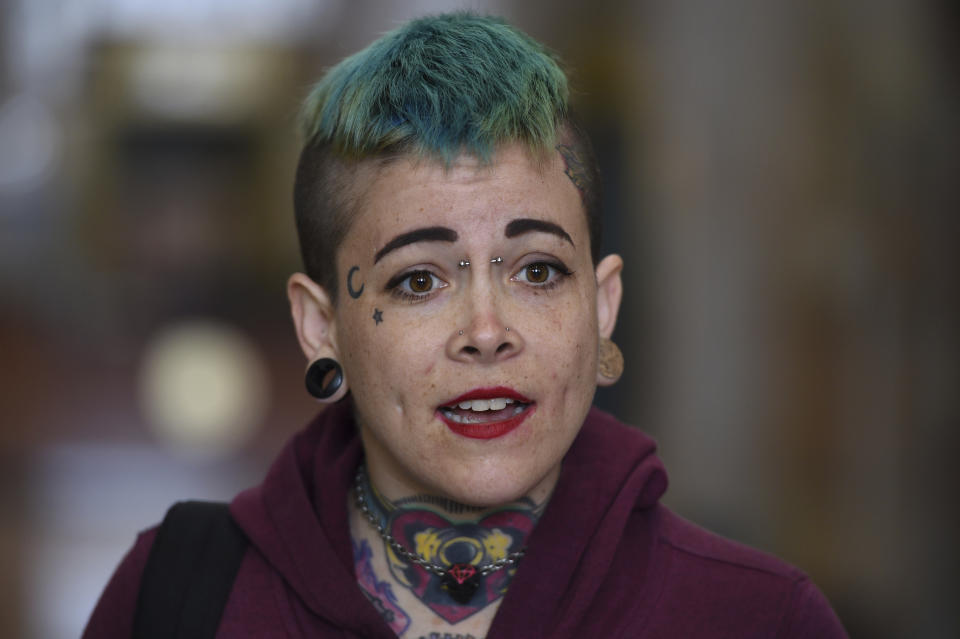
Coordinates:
781 178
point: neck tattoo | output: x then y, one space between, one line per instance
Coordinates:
456 569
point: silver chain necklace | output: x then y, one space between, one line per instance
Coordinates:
459 580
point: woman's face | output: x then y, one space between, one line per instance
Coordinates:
469 382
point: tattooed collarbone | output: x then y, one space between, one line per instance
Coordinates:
575 168
354 292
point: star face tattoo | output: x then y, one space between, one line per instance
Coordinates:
354 293
377 316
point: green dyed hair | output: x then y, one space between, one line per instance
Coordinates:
436 87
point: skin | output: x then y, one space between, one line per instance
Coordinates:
444 532
482 326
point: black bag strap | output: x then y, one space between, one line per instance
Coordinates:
189 573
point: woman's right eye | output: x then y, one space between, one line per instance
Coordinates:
415 285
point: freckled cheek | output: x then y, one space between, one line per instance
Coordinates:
369 363
404 363
571 368
557 317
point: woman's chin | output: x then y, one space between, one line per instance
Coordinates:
472 471
488 487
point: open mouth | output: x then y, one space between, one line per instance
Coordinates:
486 413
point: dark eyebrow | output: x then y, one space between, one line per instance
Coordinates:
426 234
526 225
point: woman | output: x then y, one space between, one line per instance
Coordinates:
457 318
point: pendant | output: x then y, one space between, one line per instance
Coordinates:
460 582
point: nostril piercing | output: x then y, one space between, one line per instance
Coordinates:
508 329
460 332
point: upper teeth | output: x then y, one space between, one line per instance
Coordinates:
498 403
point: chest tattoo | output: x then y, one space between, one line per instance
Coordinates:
378 592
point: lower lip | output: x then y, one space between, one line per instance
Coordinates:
487 430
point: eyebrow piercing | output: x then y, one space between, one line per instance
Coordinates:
463 263
496 260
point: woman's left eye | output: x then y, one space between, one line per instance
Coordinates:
541 273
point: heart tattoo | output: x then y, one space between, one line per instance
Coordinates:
463 549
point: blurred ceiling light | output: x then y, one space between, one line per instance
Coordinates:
214 20
30 143
47 41
199 83
203 388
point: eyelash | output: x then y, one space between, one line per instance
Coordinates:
399 286
556 274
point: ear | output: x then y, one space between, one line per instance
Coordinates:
313 317
609 292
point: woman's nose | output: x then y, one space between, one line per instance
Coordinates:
485 338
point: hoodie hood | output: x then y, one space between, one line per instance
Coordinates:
297 519
610 471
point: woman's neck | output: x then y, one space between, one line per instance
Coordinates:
448 560
457 512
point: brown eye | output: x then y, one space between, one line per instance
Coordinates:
538 273
421 282
415 286
543 275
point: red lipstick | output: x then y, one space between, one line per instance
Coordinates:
486 424
489 393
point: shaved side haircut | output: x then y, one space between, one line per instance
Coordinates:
435 88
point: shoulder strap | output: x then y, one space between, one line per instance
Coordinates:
189 573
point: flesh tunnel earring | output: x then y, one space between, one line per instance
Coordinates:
317 373
609 360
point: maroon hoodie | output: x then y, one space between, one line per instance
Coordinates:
605 560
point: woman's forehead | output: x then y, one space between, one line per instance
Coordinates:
510 160
468 196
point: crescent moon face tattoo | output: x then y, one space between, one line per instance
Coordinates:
354 293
